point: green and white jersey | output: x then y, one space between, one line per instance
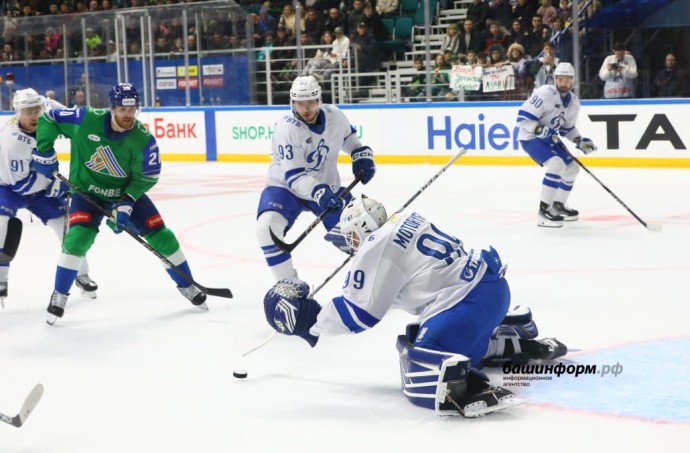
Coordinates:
104 163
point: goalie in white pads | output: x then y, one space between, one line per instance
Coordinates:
303 175
461 298
21 187
551 111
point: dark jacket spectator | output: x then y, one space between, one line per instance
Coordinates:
670 81
478 11
470 39
314 25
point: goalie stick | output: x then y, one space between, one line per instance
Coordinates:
27 408
290 247
219 292
650 226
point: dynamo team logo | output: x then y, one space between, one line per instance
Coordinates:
103 161
318 156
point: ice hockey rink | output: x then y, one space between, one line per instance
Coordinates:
140 369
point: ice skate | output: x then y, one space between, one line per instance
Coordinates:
548 217
3 293
544 349
493 399
56 307
195 296
569 215
87 286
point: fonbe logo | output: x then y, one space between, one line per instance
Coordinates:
658 129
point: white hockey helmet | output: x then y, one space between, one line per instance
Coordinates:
305 88
564 69
361 217
25 99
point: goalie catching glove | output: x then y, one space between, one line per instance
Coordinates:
289 311
586 145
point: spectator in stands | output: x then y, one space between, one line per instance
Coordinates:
282 53
374 23
354 17
366 50
619 72
541 68
470 39
314 25
177 46
51 40
93 42
53 9
290 70
670 81
264 23
516 57
9 54
478 11
524 11
518 35
79 99
536 36
497 57
495 34
440 80
500 11
335 20
386 8
325 60
264 52
341 47
547 12
451 40
416 89
50 94
287 19
161 45
234 42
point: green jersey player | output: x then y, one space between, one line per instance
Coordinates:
115 160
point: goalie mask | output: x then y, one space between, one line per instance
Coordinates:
361 217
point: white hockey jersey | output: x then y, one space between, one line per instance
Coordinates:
15 160
304 156
408 263
547 108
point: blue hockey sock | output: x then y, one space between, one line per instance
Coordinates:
184 267
64 278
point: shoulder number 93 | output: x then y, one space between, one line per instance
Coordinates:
285 152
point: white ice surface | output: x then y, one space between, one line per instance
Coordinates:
141 370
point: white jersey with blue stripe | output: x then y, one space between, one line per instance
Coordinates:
547 108
409 264
15 160
304 156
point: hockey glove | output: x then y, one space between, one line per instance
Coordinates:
326 198
586 145
121 213
44 163
363 163
545 133
288 310
57 189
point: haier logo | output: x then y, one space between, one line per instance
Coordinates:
470 135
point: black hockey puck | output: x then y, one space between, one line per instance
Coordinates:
239 374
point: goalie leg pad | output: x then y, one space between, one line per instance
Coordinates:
427 375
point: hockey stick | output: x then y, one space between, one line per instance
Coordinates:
344 263
648 225
27 408
220 292
12 238
402 208
290 247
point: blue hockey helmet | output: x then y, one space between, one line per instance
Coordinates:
124 94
